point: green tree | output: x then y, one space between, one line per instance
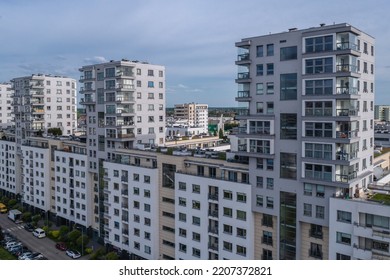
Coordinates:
82 241
56 131
26 217
220 133
12 203
112 256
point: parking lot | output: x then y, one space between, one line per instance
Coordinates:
45 246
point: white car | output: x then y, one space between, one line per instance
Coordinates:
25 256
40 233
73 254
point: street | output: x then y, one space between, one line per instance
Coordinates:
45 246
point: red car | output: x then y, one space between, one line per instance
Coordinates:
61 246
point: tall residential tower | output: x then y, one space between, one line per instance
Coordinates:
306 130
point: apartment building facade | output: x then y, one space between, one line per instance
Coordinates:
6 119
307 127
196 115
382 113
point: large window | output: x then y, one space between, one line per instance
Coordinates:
270 49
319 172
343 238
288 53
318 129
270 68
259 88
319 87
260 146
320 151
343 216
319 65
288 86
318 108
260 51
377 221
288 126
259 69
288 165
260 127
319 44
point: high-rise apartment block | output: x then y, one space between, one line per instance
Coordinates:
42 102
307 128
195 114
382 113
6 93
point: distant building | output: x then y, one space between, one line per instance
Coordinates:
195 114
382 112
6 104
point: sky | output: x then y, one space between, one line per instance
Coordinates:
194 40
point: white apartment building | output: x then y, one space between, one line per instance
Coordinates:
74 201
307 127
131 208
359 229
196 115
6 93
382 113
8 173
42 102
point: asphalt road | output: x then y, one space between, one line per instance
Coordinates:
45 245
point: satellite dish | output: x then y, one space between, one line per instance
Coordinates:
378 172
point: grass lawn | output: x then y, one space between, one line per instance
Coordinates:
4 255
381 198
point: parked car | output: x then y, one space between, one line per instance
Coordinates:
11 243
40 233
19 251
25 255
73 254
34 256
14 246
28 227
61 246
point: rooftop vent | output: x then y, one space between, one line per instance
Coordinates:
292 29
322 24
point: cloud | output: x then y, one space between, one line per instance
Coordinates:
95 59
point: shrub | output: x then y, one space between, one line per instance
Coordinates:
112 256
55 234
88 250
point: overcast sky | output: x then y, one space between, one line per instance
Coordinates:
194 39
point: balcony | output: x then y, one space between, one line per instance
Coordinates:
243 112
323 112
243 77
243 96
346 178
87 100
213 197
213 213
213 230
347 46
346 112
347 90
346 68
347 134
128 135
213 246
243 59
267 240
318 175
346 156
123 99
120 111
122 87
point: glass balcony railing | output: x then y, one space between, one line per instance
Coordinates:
345 178
319 175
243 94
318 112
346 112
346 156
347 46
346 68
347 90
243 57
347 134
243 75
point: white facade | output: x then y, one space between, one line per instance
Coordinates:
73 189
213 217
8 173
42 102
36 179
6 105
196 115
358 230
131 209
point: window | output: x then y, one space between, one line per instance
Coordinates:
227 195
318 129
259 163
150 73
182 232
182 217
228 212
241 250
182 201
195 220
377 221
320 172
308 189
319 151
270 88
259 181
342 257
288 86
270 68
307 209
259 88
270 108
150 84
320 212
343 238
196 252
260 51
320 191
267 238
182 186
195 188
319 44
227 246
270 164
270 202
241 232
270 183
288 126
241 197
267 255
259 200
259 69
196 205
260 146
315 251
182 248
316 231
196 236
259 107
288 165
288 53
267 220
270 49
320 108
227 229
319 65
